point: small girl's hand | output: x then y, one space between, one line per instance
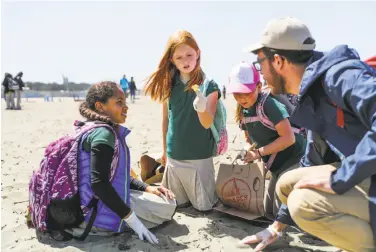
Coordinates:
251 156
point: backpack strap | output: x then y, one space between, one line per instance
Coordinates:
270 161
261 113
268 164
204 88
250 119
92 204
260 109
63 235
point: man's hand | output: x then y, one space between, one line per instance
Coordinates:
320 182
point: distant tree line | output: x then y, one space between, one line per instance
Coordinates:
71 86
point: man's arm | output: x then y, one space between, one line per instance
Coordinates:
355 90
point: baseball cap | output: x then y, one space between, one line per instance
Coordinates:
243 79
286 33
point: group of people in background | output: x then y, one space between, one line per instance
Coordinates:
12 87
129 87
323 181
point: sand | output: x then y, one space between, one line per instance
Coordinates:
26 133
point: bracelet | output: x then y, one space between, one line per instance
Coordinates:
258 151
274 230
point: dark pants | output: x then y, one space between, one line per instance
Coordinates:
133 95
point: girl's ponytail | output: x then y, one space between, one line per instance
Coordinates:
238 113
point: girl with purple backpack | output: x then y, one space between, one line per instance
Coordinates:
103 175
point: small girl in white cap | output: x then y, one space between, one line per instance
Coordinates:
265 123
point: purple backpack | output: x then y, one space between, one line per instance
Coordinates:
55 184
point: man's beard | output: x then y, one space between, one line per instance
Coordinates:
277 84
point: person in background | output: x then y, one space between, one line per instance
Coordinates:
5 86
124 85
9 91
18 79
224 92
132 89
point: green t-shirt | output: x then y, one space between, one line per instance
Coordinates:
186 138
100 135
262 135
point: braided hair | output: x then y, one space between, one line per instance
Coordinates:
99 92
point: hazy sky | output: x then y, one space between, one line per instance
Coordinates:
93 41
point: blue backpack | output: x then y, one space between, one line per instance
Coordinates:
218 128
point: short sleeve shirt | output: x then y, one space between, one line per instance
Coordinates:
100 135
262 135
187 139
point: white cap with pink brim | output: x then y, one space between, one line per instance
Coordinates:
243 79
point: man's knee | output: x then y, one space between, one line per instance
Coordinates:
316 213
300 203
285 184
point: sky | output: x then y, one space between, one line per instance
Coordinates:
91 41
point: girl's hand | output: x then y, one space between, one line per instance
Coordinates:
143 233
159 191
199 104
162 159
251 156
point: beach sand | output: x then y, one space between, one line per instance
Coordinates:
26 133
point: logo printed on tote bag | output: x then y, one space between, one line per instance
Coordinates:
237 193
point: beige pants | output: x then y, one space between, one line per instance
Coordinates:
271 201
9 97
341 220
191 181
18 97
151 209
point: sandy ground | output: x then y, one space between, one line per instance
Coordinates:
26 133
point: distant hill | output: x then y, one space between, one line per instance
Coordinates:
71 86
